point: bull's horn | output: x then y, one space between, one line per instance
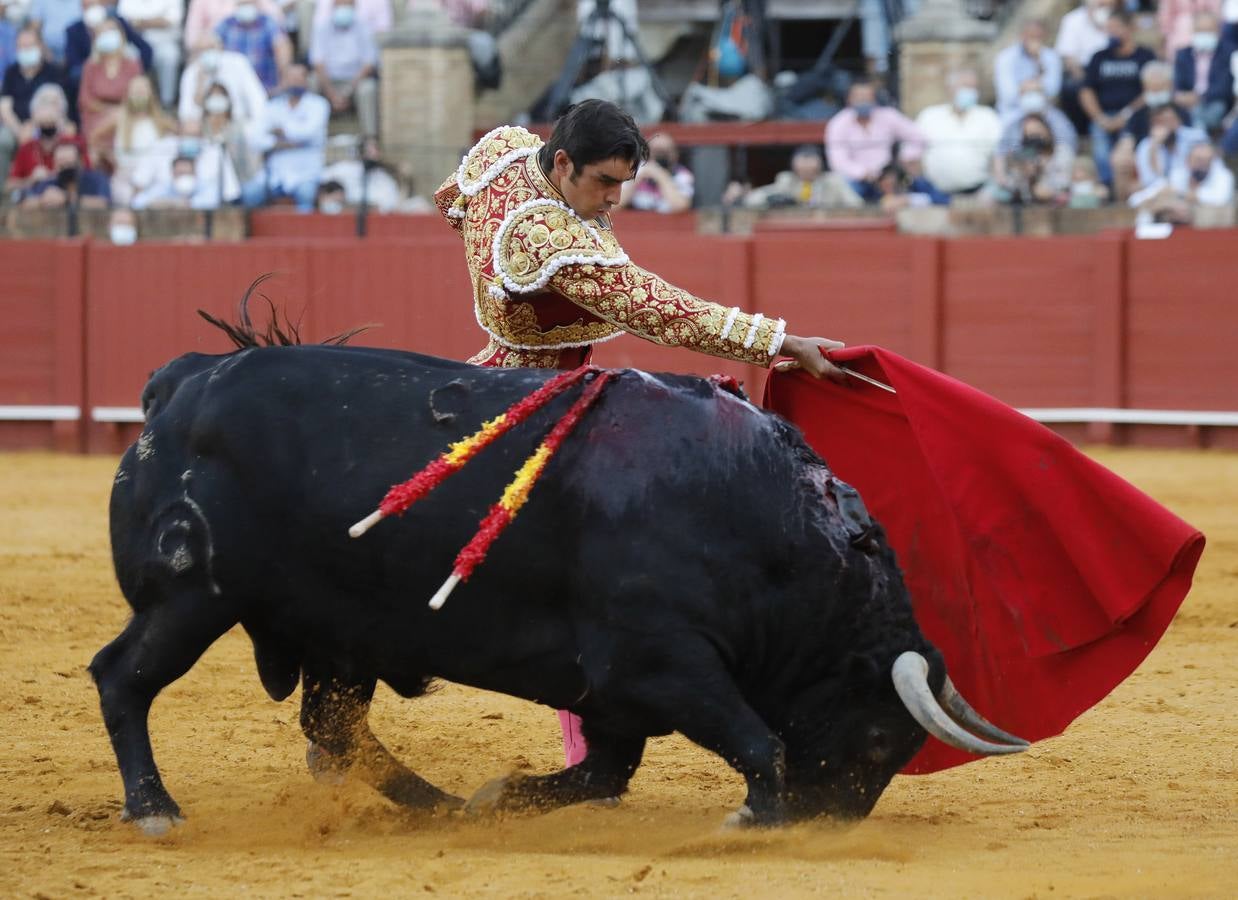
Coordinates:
910 673
961 711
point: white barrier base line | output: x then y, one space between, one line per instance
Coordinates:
116 414
1132 416
40 413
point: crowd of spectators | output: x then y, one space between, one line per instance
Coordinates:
192 104
1115 107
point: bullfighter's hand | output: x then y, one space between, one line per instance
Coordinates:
808 354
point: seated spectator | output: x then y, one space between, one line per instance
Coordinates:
218 127
260 39
12 17
22 80
105 81
1175 20
211 64
81 35
1086 190
193 182
294 137
1033 102
898 189
50 127
1035 171
807 185
375 14
159 23
1157 80
1202 182
70 182
344 55
1229 21
134 132
960 137
1027 60
205 16
1203 79
54 18
331 198
381 189
1166 147
1112 90
860 140
122 227
662 184
1080 36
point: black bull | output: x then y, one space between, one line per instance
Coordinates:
686 563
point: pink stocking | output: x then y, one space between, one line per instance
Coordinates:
574 747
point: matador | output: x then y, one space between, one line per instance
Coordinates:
550 280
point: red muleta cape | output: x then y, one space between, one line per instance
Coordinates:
1044 578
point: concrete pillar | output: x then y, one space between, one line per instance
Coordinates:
938 38
427 100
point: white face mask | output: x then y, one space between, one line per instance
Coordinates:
29 57
966 97
246 13
216 104
94 16
209 59
1032 102
15 12
184 184
1204 41
331 207
1157 98
123 235
1100 15
109 41
343 16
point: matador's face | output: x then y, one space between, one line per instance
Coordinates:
593 189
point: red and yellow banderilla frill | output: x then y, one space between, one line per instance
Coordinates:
401 496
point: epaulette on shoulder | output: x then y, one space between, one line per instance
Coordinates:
541 236
492 154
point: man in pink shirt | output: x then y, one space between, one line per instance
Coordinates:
860 140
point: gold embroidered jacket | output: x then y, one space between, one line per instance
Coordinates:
545 280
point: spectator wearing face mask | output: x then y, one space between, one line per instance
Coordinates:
220 128
293 139
1166 147
1201 182
22 79
69 183
374 14
860 140
662 184
960 137
212 64
200 176
80 38
1027 60
50 127
1032 102
330 200
54 18
1086 191
899 189
205 16
12 17
260 39
105 81
806 185
159 23
1080 36
345 60
1203 78
122 227
1175 21
1113 91
1157 80
1036 171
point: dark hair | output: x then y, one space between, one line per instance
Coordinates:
1121 14
806 150
330 187
180 157
593 131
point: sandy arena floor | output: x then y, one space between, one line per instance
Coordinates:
1139 798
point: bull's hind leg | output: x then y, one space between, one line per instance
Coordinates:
159 645
334 717
603 773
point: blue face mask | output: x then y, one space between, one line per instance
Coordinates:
295 93
189 147
863 110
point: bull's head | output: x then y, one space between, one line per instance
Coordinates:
846 739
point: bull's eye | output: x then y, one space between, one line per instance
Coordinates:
878 744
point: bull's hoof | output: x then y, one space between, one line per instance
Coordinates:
153 824
498 795
741 818
325 766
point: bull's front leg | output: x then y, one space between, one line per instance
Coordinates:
334 717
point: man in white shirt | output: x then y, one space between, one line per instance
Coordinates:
214 65
1203 182
159 21
294 139
345 59
1027 60
961 136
